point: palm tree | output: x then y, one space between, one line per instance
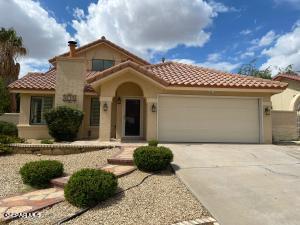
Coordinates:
11 47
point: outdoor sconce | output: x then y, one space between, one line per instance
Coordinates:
268 110
105 107
153 107
119 100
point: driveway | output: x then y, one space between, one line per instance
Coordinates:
243 184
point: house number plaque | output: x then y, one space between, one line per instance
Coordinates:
69 98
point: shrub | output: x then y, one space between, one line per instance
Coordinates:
39 173
88 187
5 149
5 139
7 128
63 122
153 143
150 158
47 141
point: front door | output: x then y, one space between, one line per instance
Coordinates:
132 118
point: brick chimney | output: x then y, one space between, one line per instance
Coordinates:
72 45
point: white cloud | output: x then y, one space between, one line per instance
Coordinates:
214 57
267 39
78 13
43 36
221 65
148 26
220 7
285 51
247 54
246 32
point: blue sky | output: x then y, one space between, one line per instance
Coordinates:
219 34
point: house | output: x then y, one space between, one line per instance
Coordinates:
126 97
287 105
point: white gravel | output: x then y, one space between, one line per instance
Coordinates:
161 199
10 179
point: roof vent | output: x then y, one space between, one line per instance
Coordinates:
103 38
163 59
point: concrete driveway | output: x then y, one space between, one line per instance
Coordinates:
243 184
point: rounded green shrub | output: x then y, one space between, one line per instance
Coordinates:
151 158
9 129
39 173
5 139
5 149
153 143
63 122
88 187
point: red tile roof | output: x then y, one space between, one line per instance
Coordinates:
168 74
40 81
184 75
104 41
279 77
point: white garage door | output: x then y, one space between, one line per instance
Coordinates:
208 119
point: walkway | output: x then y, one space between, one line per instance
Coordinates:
120 165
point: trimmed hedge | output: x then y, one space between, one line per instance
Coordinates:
151 158
63 122
9 129
153 143
5 149
39 173
88 187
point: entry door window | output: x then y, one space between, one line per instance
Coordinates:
132 117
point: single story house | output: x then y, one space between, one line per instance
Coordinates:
125 97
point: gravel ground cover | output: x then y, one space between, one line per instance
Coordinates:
161 199
10 179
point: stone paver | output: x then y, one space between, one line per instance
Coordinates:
125 157
29 202
119 170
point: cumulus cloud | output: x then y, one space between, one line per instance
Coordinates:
267 39
219 65
78 13
285 51
43 36
294 3
148 26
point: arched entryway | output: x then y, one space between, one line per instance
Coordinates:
128 112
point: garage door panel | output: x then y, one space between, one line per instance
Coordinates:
195 119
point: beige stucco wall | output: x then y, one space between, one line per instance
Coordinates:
10 117
284 100
284 125
151 90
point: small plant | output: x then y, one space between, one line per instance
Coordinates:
39 173
5 139
63 122
9 129
88 187
5 149
153 143
47 141
151 158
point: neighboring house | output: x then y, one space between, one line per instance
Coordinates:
125 97
288 100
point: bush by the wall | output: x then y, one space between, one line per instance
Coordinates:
63 122
151 158
5 149
7 128
153 143
5 139
88 187
39 173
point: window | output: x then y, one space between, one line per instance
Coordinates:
95 112
101 64
39 105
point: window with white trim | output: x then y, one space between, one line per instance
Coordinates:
39 105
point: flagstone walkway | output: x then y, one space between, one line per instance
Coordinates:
121 164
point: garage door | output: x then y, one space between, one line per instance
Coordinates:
208 119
